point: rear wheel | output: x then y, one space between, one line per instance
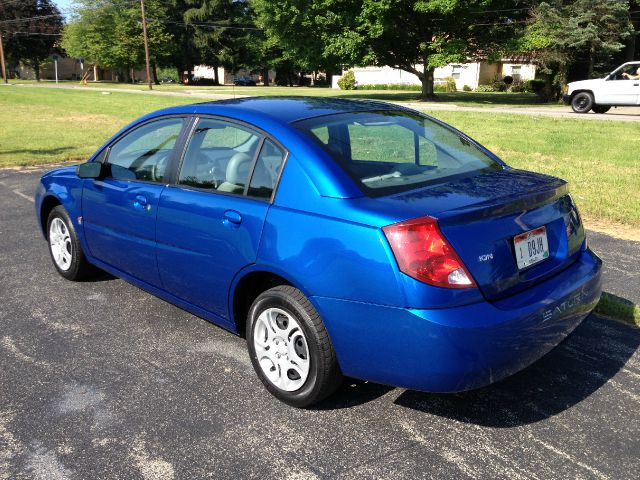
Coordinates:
290 348
582 102
64 247
601 108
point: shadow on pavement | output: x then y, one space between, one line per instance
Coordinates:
574 370
352 393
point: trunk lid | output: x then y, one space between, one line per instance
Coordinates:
481 215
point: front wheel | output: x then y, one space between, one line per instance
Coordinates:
64 247
290 348
582 102
601 108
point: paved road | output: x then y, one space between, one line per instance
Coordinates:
620 114
621 265
101 380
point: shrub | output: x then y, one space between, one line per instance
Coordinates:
348 81
535 85
485 88
467 88
391 86
518 86
498 84
450 86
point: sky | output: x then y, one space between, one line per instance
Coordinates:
63 4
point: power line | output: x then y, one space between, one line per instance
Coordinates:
25 19
9 2
33 33
205 24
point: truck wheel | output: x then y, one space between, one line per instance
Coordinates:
601 108
582 102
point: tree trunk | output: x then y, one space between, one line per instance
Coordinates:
36 70
216 75
265 75
427 83
154 74
630 50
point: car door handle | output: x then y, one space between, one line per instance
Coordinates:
232 219
141 203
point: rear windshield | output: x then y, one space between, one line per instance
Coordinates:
393 151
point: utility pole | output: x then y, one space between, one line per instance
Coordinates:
146 45
4 68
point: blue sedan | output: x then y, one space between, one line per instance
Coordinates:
339 237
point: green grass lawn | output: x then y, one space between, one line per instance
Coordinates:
471 99
599 158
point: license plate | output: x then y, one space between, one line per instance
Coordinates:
531 247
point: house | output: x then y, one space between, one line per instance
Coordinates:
227 77
471 74
72 69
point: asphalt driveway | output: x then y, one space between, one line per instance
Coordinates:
102 380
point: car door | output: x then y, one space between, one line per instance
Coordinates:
617 90
119 210
210 221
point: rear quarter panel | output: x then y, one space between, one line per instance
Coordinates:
326 246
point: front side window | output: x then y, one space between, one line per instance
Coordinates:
389 151
144 153
219 156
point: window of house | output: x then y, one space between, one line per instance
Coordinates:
455 71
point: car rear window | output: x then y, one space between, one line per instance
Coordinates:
393 151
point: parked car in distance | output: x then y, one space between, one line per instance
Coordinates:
621 88
244 82
340 238
167 79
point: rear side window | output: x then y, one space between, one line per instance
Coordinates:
219 156
266 171
391 151
143 154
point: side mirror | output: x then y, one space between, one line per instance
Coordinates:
89 170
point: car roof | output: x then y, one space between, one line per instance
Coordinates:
291 109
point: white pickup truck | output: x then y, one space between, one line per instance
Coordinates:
620 88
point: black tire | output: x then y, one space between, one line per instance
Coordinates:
601 108
582 102
324 375
77 268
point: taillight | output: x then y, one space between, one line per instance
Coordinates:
423 253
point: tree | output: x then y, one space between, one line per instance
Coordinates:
30 41
185 54
109 33
300 33
416 36
560 33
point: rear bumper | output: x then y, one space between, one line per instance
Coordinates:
460 348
